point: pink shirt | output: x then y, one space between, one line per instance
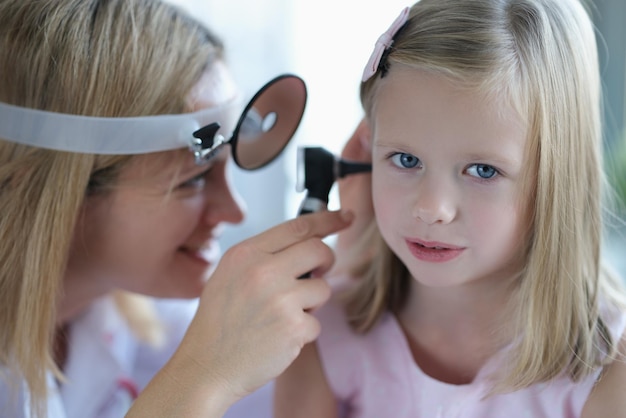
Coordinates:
374 376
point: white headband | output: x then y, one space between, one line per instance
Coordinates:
101 135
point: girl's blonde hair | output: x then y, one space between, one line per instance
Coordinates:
87 57
541 56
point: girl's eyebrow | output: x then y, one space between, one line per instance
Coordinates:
492 157
384 143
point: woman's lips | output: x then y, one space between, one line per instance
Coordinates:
208 254
433 252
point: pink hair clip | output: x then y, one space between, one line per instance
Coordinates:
384 41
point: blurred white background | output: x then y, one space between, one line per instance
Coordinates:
325 42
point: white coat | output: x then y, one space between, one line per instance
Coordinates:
107 366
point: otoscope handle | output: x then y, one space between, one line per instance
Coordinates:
311 205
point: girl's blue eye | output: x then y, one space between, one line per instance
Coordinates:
405 160
482 171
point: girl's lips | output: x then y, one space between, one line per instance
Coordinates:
434 244
434 252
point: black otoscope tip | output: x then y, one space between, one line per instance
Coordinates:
346 168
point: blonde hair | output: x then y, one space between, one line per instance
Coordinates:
88 57
541 56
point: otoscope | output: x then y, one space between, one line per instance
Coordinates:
317 170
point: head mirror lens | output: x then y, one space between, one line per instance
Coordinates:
269 122
251 126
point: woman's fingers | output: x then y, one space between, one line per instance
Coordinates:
313 294
254 315
284 252
299 229
304 257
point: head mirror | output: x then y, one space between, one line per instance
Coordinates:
263 130
268 122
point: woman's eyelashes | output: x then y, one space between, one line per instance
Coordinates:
479 171
196 182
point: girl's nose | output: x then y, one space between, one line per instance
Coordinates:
434 203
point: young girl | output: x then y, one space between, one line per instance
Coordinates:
485 296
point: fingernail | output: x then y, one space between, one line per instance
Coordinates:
347 215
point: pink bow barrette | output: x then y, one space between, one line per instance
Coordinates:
384 41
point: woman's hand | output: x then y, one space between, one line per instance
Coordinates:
253 319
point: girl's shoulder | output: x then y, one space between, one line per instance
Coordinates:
337 331
607 397
343 351
337 341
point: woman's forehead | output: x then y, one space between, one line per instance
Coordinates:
215 87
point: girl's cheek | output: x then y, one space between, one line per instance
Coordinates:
385 205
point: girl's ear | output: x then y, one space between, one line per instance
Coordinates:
359 146
365 136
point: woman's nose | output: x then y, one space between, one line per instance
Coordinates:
434 202
224 204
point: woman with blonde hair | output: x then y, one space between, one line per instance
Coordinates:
109 190
484 295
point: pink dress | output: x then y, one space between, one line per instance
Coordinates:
374 376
